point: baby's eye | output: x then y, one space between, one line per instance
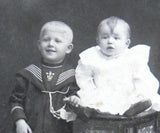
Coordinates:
105 37
116 38
58 40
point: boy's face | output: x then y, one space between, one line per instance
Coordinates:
115 41
54 45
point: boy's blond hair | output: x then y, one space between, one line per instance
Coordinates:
58 26
112 22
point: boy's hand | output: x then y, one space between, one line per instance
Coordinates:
22 126
73 100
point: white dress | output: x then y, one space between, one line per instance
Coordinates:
114 84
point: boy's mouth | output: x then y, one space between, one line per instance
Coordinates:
50 50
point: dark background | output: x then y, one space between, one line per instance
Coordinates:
21 20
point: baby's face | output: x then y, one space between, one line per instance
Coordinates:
54 45
115 41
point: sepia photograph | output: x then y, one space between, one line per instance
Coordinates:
87 66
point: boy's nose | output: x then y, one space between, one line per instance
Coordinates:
51 43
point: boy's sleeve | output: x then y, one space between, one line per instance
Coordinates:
17 99
73 89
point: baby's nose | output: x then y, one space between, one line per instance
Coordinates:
110 40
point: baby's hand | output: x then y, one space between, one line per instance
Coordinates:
73 100
22 126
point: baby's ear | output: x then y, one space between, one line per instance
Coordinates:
97 40
128 42
69 48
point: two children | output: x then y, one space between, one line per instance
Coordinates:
113 78
37 100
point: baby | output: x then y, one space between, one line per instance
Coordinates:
113 78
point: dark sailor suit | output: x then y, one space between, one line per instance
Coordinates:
38 97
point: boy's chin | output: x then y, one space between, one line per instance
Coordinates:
52 61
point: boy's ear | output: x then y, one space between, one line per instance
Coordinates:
128 42
69 48
38 44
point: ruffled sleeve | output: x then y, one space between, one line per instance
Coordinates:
88 56
137 58
84 74
144 81
140 53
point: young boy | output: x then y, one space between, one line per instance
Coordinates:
113 78
37 100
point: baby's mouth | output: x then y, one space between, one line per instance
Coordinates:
110 48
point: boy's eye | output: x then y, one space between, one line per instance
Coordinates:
46 39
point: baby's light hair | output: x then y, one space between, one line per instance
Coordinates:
58 26
112 22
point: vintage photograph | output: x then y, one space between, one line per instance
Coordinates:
87 66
